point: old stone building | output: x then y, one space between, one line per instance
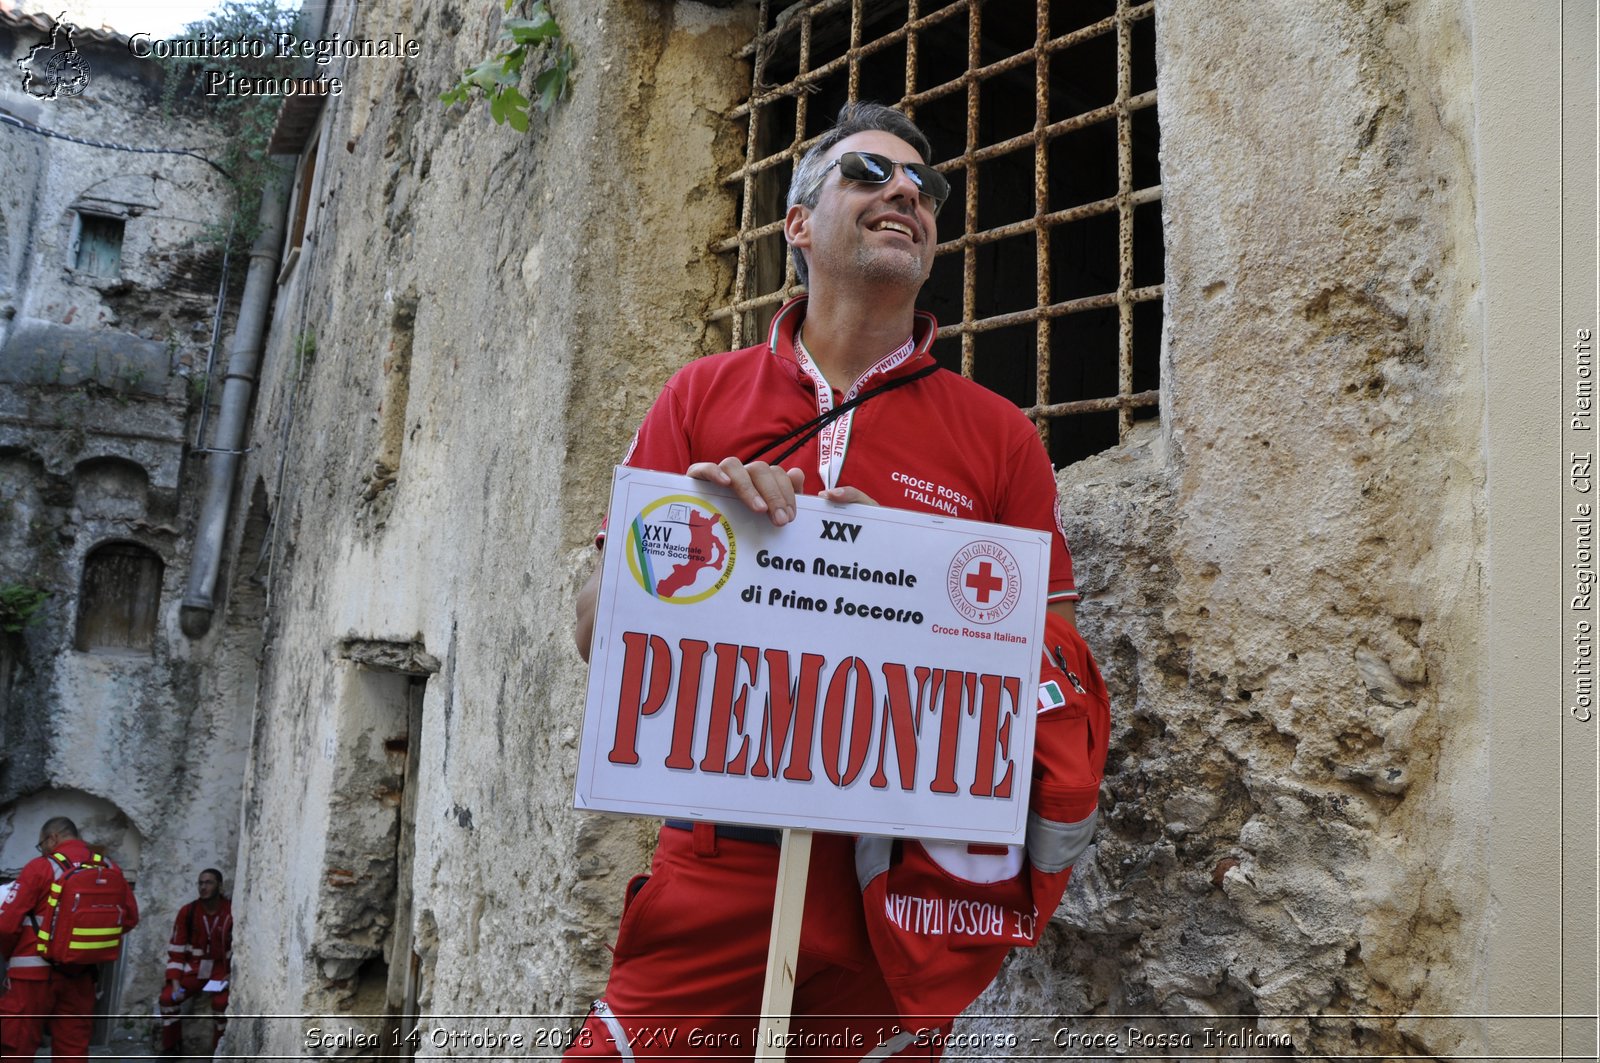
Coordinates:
110 300
1277 283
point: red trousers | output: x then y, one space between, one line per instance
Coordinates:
63 1005
173 996
691 958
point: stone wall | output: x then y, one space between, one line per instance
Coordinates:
1281 580
98 401
492 313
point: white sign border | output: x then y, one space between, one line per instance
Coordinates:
603 655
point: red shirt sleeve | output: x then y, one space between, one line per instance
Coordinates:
19 898
221 970
1033 501
661 443
130 902
178 947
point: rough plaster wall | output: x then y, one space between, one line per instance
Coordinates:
533 326
161 736
17 198
156 733
169 201
1283 585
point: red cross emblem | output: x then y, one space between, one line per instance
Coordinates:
984 582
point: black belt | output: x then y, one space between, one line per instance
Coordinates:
760 835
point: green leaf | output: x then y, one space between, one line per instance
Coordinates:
506 75
548 86
530 30
497 78
552 84
485 74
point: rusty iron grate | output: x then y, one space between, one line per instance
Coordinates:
1049 277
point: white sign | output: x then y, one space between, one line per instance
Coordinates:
862 670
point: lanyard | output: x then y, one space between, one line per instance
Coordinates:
804 433
833 424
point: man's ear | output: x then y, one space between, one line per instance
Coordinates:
797 226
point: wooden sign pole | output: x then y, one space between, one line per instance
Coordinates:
783 949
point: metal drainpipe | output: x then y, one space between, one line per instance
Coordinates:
244 360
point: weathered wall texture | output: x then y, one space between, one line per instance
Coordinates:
532 304
1281 580
98 393
1283 583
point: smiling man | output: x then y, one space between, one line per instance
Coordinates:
845 401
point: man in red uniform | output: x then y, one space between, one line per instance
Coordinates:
201 952
41 994
846 402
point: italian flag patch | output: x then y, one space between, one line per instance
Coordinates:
1050 696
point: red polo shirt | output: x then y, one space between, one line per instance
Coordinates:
941 444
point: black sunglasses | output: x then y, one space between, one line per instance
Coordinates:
870 168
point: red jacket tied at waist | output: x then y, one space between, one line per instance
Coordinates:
943 915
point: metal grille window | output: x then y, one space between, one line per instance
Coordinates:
1048 280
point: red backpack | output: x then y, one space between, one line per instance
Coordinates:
88 914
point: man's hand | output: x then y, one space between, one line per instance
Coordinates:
847 495
768 489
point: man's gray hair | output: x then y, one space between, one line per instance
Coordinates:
60 826
806 185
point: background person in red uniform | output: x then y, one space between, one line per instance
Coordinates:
201 951
690 954
40 995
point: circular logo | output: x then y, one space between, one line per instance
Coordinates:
680 549
67 73
985 582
